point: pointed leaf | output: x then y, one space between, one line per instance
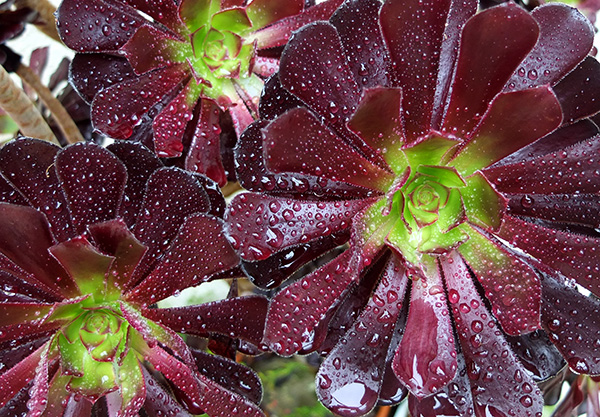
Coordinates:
199 251
578 91
413 32
315 150
296 310
351 376
260 226
582 209
8 194
496 41
425 361
19 375
93 180
491 365
150 48
159 400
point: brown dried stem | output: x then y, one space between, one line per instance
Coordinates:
21 109
230 188
46 22
58 112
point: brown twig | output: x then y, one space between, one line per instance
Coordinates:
21 109
58 112
46 22
384 411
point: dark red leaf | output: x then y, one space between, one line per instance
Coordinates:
566 317
298 142
573 255
506 127
260 226
171 195
362 41
228 317
494 42
351 377
276 100
24 239
566 37
199 251
204 156
93 180
117 109
537 354
413 31
28 165
158 400
19 375
512 287
425 361
102 26
8 194
140 164
499 384
582 209
90 73
296 310
163 11
578 91
232 375
115 239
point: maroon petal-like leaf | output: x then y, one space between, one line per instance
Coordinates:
495 42
573 255
93 180
278 33
19 375
351 376
163 11
453 400
264 12
214 403
260 226
271 272
578 91
38 393
413 31
253 175
217 201
566 37
566 317
460 11
24 239
90 73
313 61
378 119
84 264
499 383
171 195
170 124
560 172
582 209
102 26
21 312
117 109
115 239
204 156
512 286
28 165
158 400
15 290
8 194
275 99
537 353
313 149
140 164
506 127
425 361
199 251
296 310
228 317
227 373
362 41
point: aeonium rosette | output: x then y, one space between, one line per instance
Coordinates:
91 239
173 69
444 162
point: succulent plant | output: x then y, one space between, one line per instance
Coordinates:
445 160
173 66
91 239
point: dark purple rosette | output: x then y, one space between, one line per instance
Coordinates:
445 161
90 240
172 68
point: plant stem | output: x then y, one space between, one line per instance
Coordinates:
60 115
45 10
230 188
21 109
